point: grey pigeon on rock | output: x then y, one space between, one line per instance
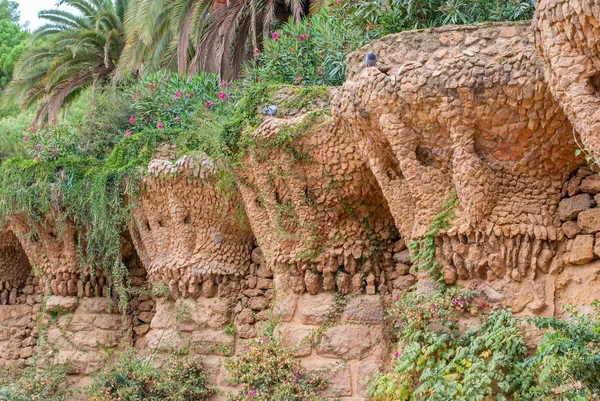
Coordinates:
269 110
371 59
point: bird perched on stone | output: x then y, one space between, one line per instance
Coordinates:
269 110
371 59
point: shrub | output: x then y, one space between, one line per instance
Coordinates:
104 123
267 372
311 52
385 17
163 100
37 384
438 362
50 141
567 360
133 377
11 135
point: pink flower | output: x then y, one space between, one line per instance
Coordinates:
339 1
132 120
303 36
298 80
165 79
42 159
396 354
153 85
159 126
275 35
25 139
177 118
208 104
256 50
227 96
221 95
251 393
38 147
128 133
223 84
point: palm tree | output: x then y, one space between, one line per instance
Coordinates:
68 54
200 35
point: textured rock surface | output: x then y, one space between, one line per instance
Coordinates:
185 232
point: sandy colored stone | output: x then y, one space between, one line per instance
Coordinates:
313 309
582 250
569 208
571 229
589 220
366 309
56 303
348 341
336 373
296 337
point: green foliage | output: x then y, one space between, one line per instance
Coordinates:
268 372
423 250
385 17
70 52
567 361
310 52
440 363
103 124
50 141
172 100
135 378
12 131
12 40
37 384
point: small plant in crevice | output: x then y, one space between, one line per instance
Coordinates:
423 250
438 362
268 372
567 361
134 377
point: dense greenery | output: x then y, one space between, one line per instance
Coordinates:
439 362
38 384
567 361
12 40
136 378
268 372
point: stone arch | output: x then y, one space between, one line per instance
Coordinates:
15 270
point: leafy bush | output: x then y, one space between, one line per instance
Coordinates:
104 123
567 361
384 17
136 378
438 362
162 100
50 141
11 135
311 52
267 372
36 384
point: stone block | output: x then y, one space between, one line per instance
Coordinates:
96 305
258 303
213 342
77 322
112 322
589 220
285 306
165 339
348 341
364 373
313 309
591 184
165 315
337 375
56 303
212 313
363 309
404 282
402 257
15 315
296 337
571 229
569 208
582 250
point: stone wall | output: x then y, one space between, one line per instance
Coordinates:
316 237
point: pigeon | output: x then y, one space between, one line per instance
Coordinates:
269 110
371 59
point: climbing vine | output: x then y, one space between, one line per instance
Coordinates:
423 250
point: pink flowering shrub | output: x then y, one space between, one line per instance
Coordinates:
50 141
168 100
310 52
267 372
